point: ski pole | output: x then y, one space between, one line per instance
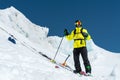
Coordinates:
57 50
64 64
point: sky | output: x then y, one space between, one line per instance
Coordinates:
100 17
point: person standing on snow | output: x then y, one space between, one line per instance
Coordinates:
79 35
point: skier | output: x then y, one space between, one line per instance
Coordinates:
79 35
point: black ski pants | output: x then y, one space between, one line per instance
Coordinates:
84 54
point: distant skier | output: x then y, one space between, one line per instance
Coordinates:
79 35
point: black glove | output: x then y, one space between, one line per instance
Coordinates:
85 34
66 32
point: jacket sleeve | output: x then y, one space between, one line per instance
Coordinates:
88 37
70 36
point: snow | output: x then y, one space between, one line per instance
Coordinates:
21 61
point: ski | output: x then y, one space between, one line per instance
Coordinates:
45 56
67 67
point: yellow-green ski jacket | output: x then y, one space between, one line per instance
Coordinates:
77 36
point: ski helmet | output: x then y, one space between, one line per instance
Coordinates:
78 23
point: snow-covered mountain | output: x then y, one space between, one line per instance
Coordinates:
21 61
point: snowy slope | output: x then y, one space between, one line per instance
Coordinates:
14 19
21 61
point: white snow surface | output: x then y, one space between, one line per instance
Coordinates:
21 61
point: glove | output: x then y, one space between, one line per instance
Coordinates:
66 32
85 34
